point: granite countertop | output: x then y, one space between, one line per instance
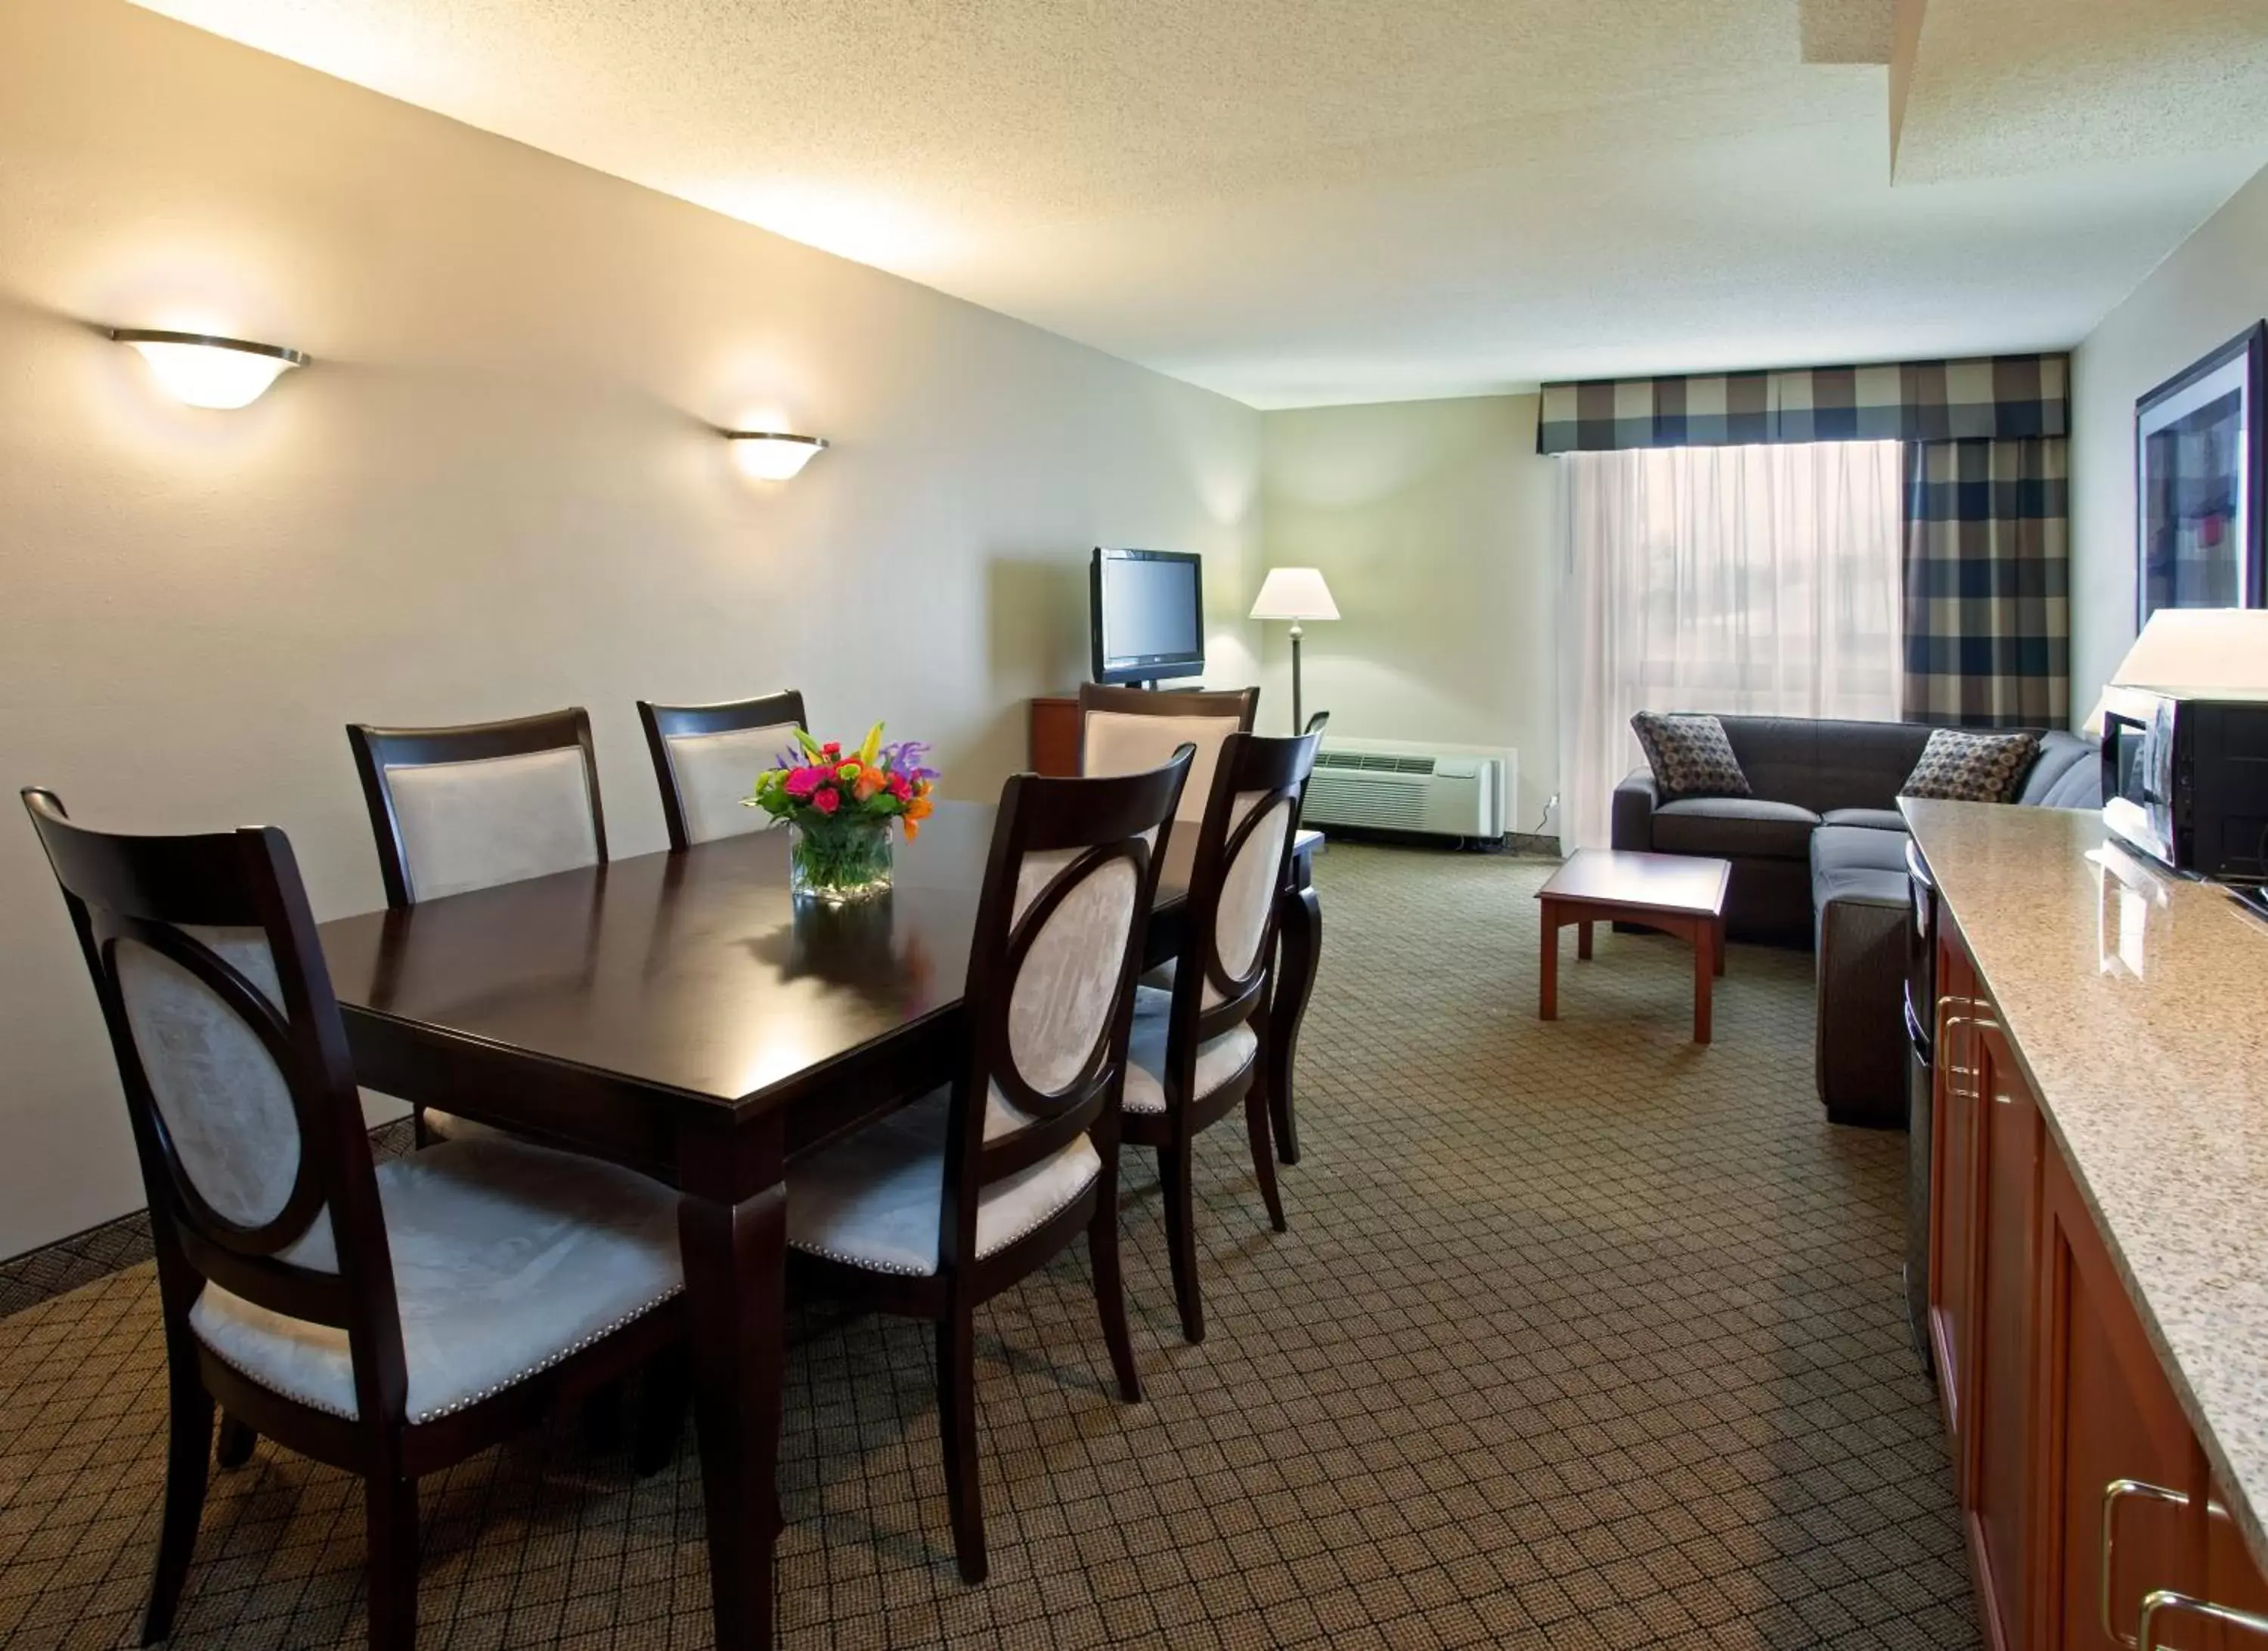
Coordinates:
2137 1004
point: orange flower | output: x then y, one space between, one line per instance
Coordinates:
867 784
919 809
913 830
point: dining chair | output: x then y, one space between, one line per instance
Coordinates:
1195 1049
706 759
454 809
1126 730
947 1202
389 1319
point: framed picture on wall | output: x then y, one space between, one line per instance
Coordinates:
2198 473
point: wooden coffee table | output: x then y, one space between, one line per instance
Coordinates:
1680 894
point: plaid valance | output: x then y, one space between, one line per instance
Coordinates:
1992 398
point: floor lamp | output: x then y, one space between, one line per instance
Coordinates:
1294 593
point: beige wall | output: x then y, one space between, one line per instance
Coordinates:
2212 287
496 491
1433 524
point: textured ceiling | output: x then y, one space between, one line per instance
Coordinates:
1306 200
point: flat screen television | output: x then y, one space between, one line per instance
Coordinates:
1146 610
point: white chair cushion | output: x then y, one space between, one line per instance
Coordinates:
220 1093
1219 1059
507 1258
874 1200
715 771
1066 986
492 820
1123 742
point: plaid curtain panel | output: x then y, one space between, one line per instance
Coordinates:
1996 398
1988 583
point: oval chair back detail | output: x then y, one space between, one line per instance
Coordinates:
1126 730
1195 1051
706 759
305 1288
962 1194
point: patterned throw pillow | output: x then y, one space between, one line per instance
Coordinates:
1691 756
1963 766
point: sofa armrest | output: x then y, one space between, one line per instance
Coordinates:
1635 800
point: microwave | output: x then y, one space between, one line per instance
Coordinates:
2186 780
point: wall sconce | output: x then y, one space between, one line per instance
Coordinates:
207 371
770 456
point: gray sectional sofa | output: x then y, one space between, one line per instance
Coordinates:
1818 857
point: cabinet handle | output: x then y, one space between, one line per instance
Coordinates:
1945 1040
2168 1599
2112 1494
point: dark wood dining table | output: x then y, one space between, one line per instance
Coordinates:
678 1012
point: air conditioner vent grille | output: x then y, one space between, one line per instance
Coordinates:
1391 804
1374 762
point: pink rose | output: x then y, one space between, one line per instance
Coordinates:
801 781
826 801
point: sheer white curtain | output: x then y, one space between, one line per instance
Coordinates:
1759 580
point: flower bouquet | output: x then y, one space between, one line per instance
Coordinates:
838 808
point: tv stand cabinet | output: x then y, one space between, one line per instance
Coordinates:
1055 735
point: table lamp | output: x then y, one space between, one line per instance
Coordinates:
1294 593
2197 649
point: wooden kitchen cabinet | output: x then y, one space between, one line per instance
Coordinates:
2106 1412
2003 1310
2231 1578
2052 1389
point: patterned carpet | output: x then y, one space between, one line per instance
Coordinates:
1582 1336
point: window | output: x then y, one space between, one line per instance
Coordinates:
1758 580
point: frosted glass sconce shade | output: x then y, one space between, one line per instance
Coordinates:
202 370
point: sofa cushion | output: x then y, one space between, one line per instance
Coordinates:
1819 763
1845 858
1873 819
2080 785
1689 756
1860 895
1733 827
1969 765
2067 767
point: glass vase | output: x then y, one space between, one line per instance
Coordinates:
839 861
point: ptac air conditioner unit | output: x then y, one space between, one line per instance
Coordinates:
1438 794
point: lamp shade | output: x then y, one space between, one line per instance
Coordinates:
1294 593
200 370
2191 649
771 455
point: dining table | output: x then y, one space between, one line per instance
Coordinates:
681 1013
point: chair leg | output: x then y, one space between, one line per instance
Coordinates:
957 1424
188 1447
1110 1296
390 1523
1181 1236
1264 1154
237 1440
665 1394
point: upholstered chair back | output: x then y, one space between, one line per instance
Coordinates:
706 759
1129 730
458 808
1059 930
1242 861
237 1079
